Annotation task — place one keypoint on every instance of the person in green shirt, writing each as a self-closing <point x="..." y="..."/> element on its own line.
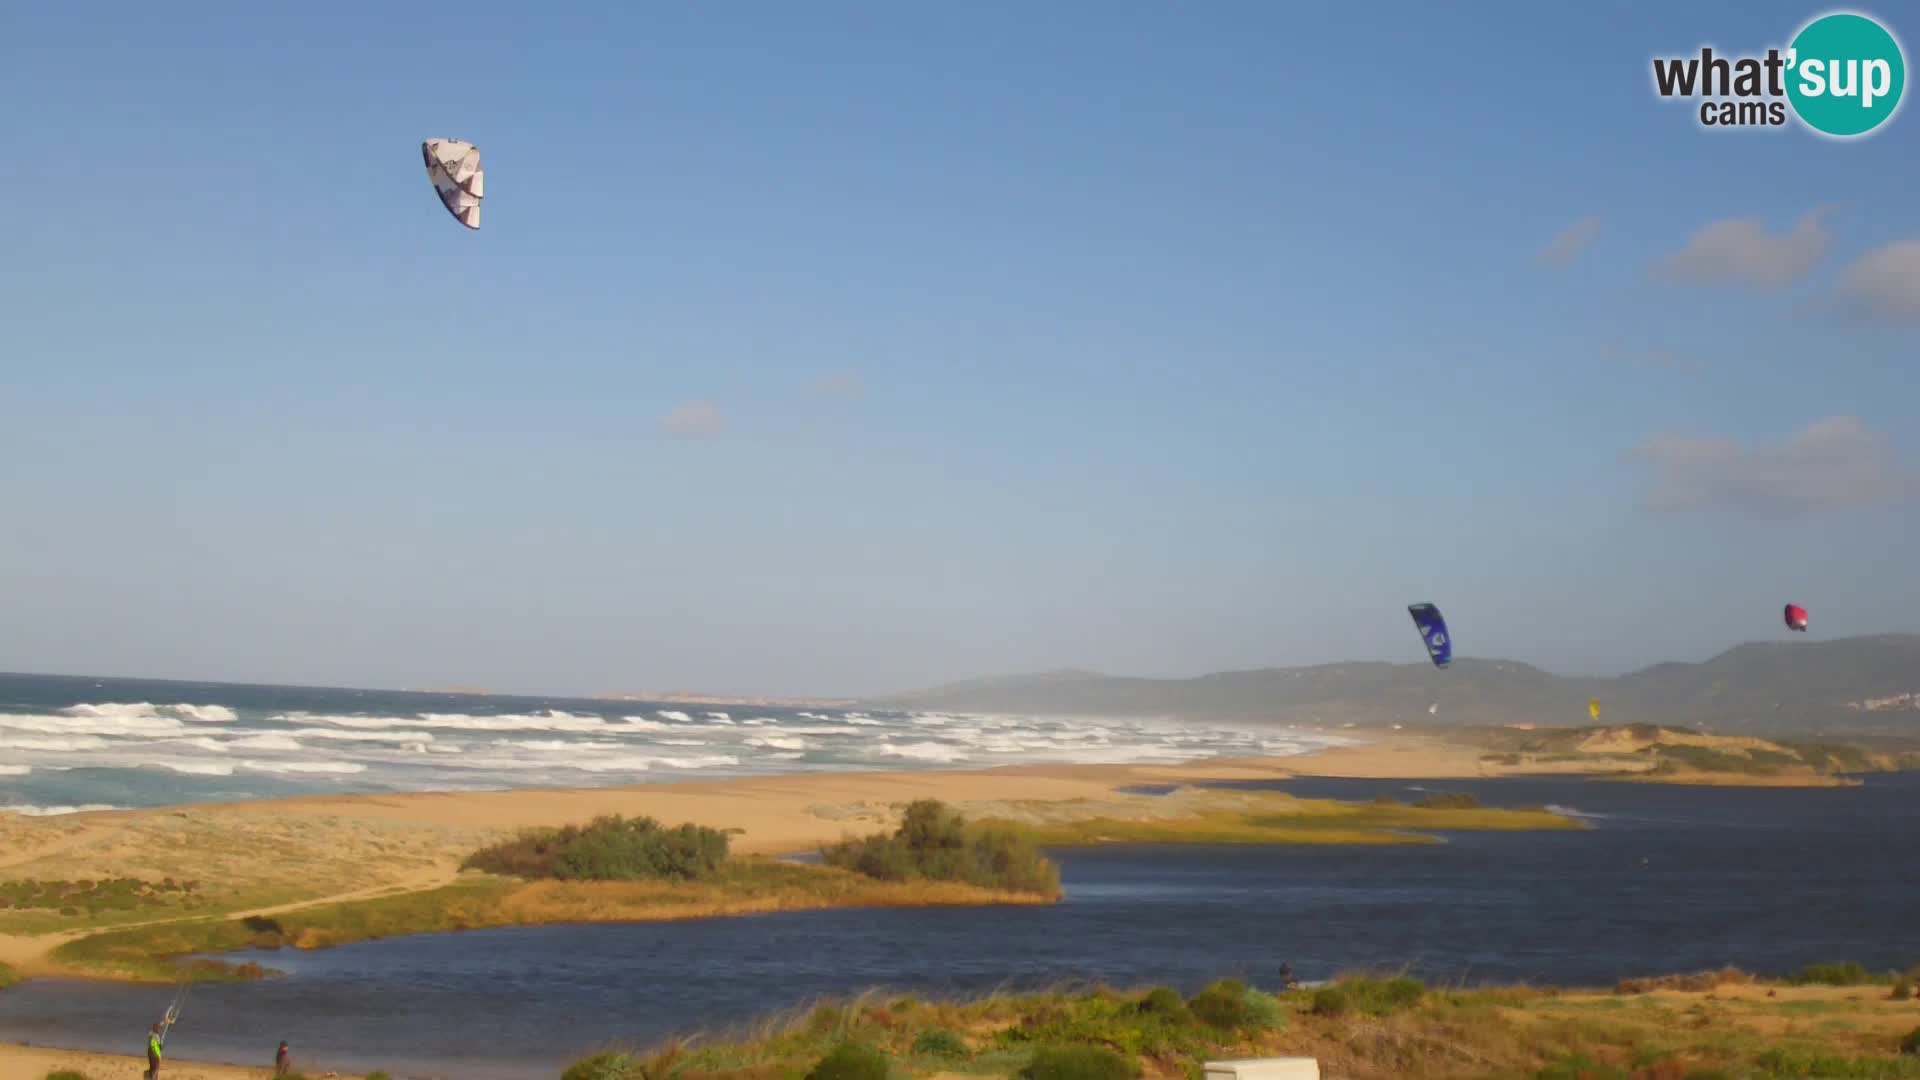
<point x="155" y="1041"/>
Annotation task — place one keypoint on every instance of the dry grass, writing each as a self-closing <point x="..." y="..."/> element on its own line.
<point x="1504" y="1033"/>
<point x="1256" y="817"/>
<point x="742" y="887"/>
<point x="268" y="862"/>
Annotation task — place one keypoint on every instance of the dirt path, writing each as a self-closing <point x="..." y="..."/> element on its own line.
<point x="27" y="954"/>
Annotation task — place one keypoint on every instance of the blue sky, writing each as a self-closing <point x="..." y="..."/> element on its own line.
<point x="849" y="347"/>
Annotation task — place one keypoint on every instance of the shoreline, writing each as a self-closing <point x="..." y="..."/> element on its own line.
<point x="1721" y="1022"/>
<point x="22" y="1061"/>
<point x="318" y="863"/>
<point x="344" y="854"/>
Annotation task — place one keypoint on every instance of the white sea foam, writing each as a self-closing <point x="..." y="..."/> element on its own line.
<point x="551" y="720"/>
<point x="922" y="751"/>
<point x="139" y="727"/>
<point x="191" y="768"/>
<point x="51" y="811"/>
<point x="552" y="747"/>
<point x="777" y="742"/>
<point x="269" y="741"/>
<point x="206" y="714"/>
<point x="52" y="744"/>
<point x="15" y="770"/>
<point x="558" y="746"/>
<point x="363" y="736"/>
<point x="198" y="742"/>
<point x="319" y="767"/>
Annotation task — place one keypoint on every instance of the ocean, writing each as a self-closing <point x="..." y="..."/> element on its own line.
<point x="1667" y="879"/>
<point x="78" y="743"/>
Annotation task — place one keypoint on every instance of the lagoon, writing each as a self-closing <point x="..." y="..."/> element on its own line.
<point x="1668" y="879"/>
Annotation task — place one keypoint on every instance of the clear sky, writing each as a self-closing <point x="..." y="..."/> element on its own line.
<point x="848" y="347"/>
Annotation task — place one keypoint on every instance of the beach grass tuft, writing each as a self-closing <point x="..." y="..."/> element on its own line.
<point x="608" y="848"/>
<point x="935" y="843"/>
<point x="1386" y="1027"/>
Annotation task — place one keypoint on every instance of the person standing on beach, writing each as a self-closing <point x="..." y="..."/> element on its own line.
<point x="282" y="1061"/>
<point x="155" y="1041"/>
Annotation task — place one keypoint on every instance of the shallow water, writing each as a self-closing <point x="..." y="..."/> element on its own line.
<point x="1668" y="879"/>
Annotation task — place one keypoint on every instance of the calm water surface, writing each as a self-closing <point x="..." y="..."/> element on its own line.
<point x="1667" y="879"/>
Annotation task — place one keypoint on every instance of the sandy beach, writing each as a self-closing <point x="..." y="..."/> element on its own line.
<point x="267" y="857"/>
<point x="273" y="857"/>
<point x="34" y="1063"/>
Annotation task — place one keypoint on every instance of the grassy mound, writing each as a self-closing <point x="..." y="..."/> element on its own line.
<point x="934" y="843"/>
<point x="1358" y="1028"/>
<point x="607" y="849"/>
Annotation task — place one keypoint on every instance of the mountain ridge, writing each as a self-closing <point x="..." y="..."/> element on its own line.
<point x="1865" y="684"/>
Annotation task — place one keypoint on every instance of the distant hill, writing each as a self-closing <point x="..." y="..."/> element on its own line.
<point x="1861" y="685"/>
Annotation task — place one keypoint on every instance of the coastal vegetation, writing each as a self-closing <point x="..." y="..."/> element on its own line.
<point x="616" y="869"/>
<point x="1260" y="817"/>
<point x="935" y="843"/>
<point x="1726" y="1025"/>
<point x="1652" y="753"/>
<point x="612" y="869"/>
<point x="611" y="848"/>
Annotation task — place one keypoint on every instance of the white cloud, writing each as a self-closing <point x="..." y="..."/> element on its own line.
<point x="845" y="383"/>
<point x="1885" y="282"/>
<point x="1572" y="240"/>
<point x="694" y="418"/>
<point x="1742" y="250"/>
<point x="1832" y="464"/>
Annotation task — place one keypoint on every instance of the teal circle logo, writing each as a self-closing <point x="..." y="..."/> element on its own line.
<point x="1845" y="74"/>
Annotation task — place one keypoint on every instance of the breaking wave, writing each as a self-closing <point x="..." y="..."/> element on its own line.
<point x="321" y="767"/>
<point x="52" y="811"/>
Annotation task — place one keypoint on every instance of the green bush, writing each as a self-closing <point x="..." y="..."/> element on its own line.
<point x="1902" y="990"/>
<point x="1579" y="1067"/>
<point x="1848" y="974"/>
<point x="1078" y="1063"/>
<point x="1802" y="1063"/>
<point x="1331" y="1001"/>
<point x="607" y="849"/>
<point x="940" y="1043"/>
<point x="1264" y="1011"/>
<point x="851" y="1061"/>
<point x="935" y="843"/>
<point x="608" y="1066"/>
<point x="1166" y="1003"/>
<point x="1223" y="1005"/>
<point x="1911" y="1044"/>
<point x="66" y="1074"/>
<point x="379" y="1074"/>
<point x="1376" y="997"/>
